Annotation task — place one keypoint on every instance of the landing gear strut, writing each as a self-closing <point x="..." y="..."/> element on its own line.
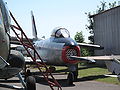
<point x="73" y="74"/>
<point x="70" y="78"/>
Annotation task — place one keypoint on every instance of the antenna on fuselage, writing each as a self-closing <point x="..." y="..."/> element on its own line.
<point x="34" y="30"/>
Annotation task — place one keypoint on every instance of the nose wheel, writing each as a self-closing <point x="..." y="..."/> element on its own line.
<point x="29" y="84"/>
<point x="30" y="81"/>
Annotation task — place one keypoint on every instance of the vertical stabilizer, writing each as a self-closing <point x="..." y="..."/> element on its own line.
<point x="34" y="30"/>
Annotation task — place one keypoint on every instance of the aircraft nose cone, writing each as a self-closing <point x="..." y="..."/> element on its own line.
<point x="70" y="42"/>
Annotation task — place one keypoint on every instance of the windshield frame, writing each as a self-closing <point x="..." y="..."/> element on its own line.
<point x="62" y="33"/>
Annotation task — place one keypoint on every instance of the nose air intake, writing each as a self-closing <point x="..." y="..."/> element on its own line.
<point x="70" y="51"/>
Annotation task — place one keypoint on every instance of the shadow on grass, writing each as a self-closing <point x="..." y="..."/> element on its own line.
<point x="89" y="78"/>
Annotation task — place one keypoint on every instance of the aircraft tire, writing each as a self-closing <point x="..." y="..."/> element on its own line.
<point x="70" y="78"/>
<point x="30" y="83"/>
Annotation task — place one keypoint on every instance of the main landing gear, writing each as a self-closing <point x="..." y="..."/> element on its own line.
<point x="72" y="76"/>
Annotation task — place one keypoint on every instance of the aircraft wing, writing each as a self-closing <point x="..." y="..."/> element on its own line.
<point x="90" y="46"/>
<point x="115" y="58"/>
<point x="112" y="62"/>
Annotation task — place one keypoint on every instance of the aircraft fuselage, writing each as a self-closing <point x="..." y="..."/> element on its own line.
<point x="56" y="51"/>
<point x="4" y="30"/>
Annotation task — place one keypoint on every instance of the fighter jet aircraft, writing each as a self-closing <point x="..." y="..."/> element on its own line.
<point x="57" y="50"/>
<point x="61" y="50"/>
<point x="11" y="61"/>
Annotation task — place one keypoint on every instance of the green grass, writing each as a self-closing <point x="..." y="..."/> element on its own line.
<point x="87" y="73"/>
<point x="97" y="74"/>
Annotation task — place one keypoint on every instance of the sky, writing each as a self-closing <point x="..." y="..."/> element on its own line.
<point x="50" y="14"/>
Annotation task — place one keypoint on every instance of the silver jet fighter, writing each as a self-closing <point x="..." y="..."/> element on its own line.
<point x="58" y="50"/>
<point x="61" y="50"/>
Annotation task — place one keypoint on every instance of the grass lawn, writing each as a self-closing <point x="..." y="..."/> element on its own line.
<point x="97" y="73"/>
<point x="87" y="73"/>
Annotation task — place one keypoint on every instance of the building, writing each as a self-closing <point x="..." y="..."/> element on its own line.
<point x="107" y="31"/>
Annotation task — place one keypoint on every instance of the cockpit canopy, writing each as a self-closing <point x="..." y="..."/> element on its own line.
<point x="60" y="33"/>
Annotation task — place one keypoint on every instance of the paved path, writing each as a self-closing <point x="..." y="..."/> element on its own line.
<point x="79" y="85"/>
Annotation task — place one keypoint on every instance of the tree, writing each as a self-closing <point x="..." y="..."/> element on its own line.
<point x="90" y="27"/>
<point x="80" y="39"/>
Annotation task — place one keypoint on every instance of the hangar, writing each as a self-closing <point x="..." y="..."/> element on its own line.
<point x="107" y="31"/>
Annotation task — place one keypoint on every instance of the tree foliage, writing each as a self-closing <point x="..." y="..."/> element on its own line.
<point x="80" y="39"/>
<point x="104" y="6"/>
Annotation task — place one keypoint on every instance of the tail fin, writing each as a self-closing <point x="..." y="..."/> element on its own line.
<point x="34" y="30"/>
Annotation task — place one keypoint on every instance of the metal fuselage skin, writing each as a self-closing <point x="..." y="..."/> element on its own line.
<point x="4" y="31"/>
<point x="55" y="51"/>
<point x="14" y="58"/>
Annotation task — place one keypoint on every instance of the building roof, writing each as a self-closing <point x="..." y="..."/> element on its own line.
<point x="104" y="11"/>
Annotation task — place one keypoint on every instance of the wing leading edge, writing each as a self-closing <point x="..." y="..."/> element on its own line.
<point x="90" y="46"/>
